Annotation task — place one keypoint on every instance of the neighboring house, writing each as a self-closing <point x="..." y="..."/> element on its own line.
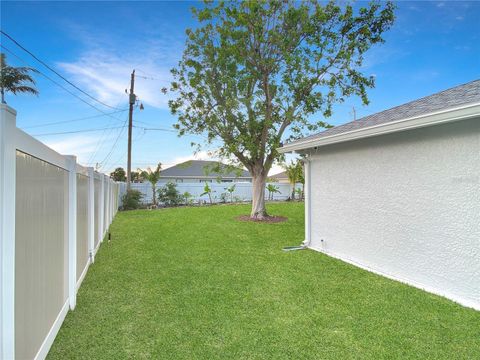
<point x="201" y="171"/>
<point x="398" y="192"/>
<point x="280" y="177"/>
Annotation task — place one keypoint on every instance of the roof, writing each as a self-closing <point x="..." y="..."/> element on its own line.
<point x="280" y="175"/>
<point x="458" y="97"/>
<point x="202" y="169"/>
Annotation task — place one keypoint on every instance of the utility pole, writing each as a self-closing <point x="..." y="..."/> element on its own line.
<point x="132" y="99"/>
<point x="354" y="113"/>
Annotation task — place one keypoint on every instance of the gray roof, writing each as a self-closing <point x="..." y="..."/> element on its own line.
<point x="280" y="175"/>
<point x="200" y="168"/>
<point x="465" y="94"/>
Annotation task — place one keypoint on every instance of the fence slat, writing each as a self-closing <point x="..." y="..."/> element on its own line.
<point x="23" y="327"/>
<point x="7" y="231"/>
<point x="72" y="230"/>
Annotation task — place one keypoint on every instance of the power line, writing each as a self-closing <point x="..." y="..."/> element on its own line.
<point x="99" y="144"/>
<point x="150" y="77"/>
<point x="78" y="131"/>
<point x="61" y="86"/>
<point x="55" y="72"/>
<point x="123" y="154"/>
<point x="107" y="157"/>
<point x="154" y="129"/>
<point x="103" y="113"/>
<point x="73" y="120"/>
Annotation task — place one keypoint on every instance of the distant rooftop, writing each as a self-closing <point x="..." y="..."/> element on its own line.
<point x="280" y="175"/>
<point x="457" y="96"/>
<point x="201" y="168"/>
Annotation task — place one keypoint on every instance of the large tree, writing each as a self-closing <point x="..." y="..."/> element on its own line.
<point x="119" y="174"/>
<point x="253" y="72"/>
<point x="15" y="79"/>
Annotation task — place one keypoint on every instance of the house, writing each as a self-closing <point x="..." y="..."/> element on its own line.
<point x="280" y="178"/>
<point x="203" y="171"/>
<point x="398" y="192"/>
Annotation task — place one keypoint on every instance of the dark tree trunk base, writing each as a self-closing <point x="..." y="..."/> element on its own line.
<point x="264" y="219"/>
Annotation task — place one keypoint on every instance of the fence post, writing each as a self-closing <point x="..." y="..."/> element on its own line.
<point x="109" y="210"/>
<point x="72" y="230"/>
<point x="101" y="209"/>
<point x="112" y="190"/>
<point x="91" y="213"/>
<point x="7" y="230"/>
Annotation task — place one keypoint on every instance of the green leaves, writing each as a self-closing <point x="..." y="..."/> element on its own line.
<point x="16" y="79"/>
<point x="253" y="72"/>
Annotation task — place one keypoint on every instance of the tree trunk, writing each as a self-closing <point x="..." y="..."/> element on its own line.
<point x="154" y="190"/>
<point x="258" y="197"/>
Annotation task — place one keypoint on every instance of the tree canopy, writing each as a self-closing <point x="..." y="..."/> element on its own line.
<point x="119" y="174"/>
<point x="253" y="72"/>
<point x="16" y="79"/>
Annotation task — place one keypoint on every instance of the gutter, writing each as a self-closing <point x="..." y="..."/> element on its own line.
<point x="440" y="117"/>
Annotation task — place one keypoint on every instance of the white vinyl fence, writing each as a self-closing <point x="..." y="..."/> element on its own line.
<point x="242" y="192"/>
<point x="54" y="213"/>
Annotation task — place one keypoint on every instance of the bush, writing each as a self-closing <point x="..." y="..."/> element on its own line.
<point x="131" y="200"/>
<point x="187" y="198"/>
<point x="224" y="197"/>
<point x="169" y="195"/>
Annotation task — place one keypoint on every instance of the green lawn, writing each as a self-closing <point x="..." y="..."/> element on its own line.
<point x="194" y="283"/>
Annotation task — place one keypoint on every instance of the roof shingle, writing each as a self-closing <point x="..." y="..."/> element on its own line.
<point x="465" y="94"/>
<point x="200" y="168"/>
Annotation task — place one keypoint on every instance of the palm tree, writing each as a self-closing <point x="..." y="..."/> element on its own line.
<point x="295" y="174"/>
<point x="207" y="190"/>
<point x="152" y="177"/>
<point x="272" y="189"/>
<point x="16" y="79"/>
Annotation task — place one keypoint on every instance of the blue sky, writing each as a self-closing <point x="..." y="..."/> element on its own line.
<point x="431" y="47"/>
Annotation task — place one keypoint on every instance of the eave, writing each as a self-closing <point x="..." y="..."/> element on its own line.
<point x="436" y="118"/>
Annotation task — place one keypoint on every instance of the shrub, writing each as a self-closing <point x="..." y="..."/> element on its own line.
<point x="231" y="190"/>
<point x="223" y="197"/>
<point x="131" y="200"/>
<point x="187" y="198"/>
<point x="169" y="195"/>
<point x="299" y="193"/>
<point x="207" y="190"/>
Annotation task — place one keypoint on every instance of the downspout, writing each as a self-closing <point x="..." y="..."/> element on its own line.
<point x="308" y="201"/>
<point x="308" y="209"/>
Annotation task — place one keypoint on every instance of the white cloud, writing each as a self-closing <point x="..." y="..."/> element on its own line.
<point x="106" y="75"/>
<point x="104" y="66"/>
<point x="78" y="145"/>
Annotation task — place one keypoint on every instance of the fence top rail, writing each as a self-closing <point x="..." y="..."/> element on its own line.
<point x="83" y="170"/>
<point x="31" y="146"/>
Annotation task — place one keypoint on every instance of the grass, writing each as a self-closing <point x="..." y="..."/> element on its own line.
<point x="194" y="283"/>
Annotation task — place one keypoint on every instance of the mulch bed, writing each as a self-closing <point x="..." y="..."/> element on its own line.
<point x="268" y="219"/>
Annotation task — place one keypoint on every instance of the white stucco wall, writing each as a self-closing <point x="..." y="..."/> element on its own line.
<point x="405" y="205"/>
